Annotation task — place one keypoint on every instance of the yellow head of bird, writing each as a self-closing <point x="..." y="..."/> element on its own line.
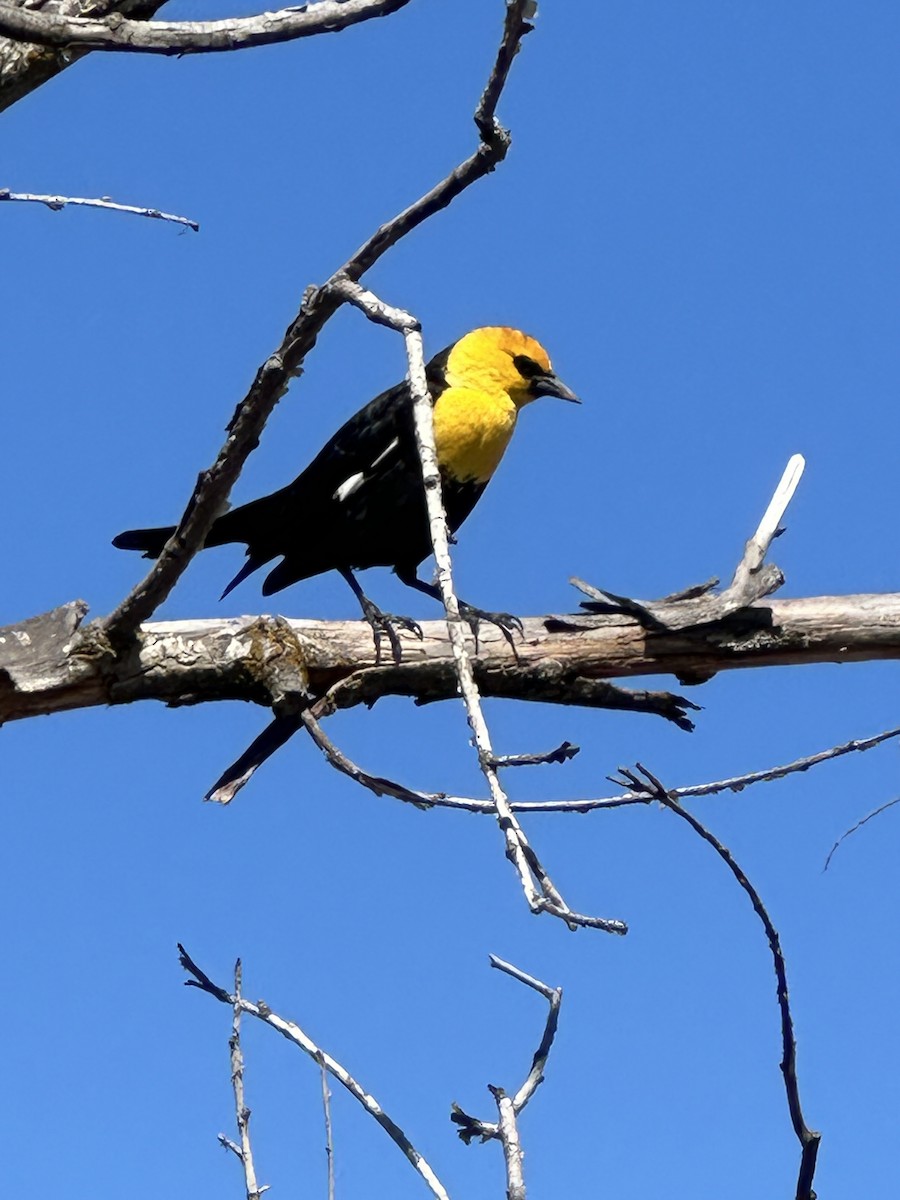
<point x="501" y="360"/>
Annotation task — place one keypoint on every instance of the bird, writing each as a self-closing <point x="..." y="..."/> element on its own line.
<point x="361" y="503"/>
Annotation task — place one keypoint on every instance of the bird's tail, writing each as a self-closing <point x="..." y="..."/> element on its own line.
<point x="149" y="541"/>
<point x="252" y="564"/>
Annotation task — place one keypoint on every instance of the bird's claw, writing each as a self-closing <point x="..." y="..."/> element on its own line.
<point x="507" y="623"/>
<point x="388" y="624"/>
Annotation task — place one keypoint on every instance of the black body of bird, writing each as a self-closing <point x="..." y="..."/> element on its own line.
<point x="360" y="502"/>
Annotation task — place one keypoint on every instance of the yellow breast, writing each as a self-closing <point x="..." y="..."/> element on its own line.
<point x="472" y="429"/>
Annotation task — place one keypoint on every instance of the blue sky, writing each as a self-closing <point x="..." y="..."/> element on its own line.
<point x="698" y="218"/>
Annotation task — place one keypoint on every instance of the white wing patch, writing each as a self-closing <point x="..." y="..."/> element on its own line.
<point x="355" y="482"/>
<point x="387" y="450"/>
<point x="349" y="486"/>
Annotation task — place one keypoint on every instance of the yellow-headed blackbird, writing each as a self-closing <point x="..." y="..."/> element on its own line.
<point x="360" y="502"/>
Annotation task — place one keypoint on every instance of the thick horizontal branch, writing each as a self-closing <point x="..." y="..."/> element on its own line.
<point x="116" y="32"/>
<point x="45" y="667"/>
<point x="24" y="66"/>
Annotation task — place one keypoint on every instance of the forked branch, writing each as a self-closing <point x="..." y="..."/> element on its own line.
<point x="505" y="1128"/>
<point x="296" y="1036"/>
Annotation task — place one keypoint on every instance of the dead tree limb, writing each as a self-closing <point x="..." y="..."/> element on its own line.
<point x="25" y="66"/>
<point x="115" y="32"/>
<point x="45" y="667"/>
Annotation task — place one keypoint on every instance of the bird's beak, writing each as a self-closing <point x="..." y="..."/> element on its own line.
<point x="549" y="385"/>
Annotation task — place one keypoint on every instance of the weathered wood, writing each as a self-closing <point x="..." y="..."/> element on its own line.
<point x="560" y="660"/>
<point x="25" y="66"/>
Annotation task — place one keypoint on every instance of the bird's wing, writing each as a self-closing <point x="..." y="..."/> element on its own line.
<point x="371" y="445"/>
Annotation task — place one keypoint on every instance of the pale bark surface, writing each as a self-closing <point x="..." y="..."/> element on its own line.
<point x="24" y="66"/>
<point x="48" y="665"/>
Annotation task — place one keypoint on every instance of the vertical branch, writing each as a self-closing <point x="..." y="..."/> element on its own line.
<point x="544" y="897"/>
<point x="540" y="892"/>
<point x="516" y="843"/>
<point x="244" y="1151"/>
<point x="329" y="1139"/>
<point x="512" y="1147"/>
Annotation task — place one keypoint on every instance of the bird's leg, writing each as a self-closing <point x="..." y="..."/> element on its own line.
<point x="507" y="623"/>
<point x="381" y="622"/>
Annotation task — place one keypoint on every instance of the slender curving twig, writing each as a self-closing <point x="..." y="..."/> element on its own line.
<point x="809" y="1139"/>
<point x="58" y="203"/>
<point x="859" y="824"/>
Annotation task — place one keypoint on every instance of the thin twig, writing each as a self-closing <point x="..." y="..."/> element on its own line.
<point x="273" y="377"/>
<point x="57" y="203"/>
<point x="329" y="1138"/>
<point x="517" y="25"/>
<point x="735" y="783"/>
<point x="809" y="1139"/>
<point x="244" y="1151"/>
<point x="375" y="783"/>
<point x="559" y="754"/>
<point x="859" y="824"/>
<point x="117" y="33"/>
<point x="295" y="1035"/>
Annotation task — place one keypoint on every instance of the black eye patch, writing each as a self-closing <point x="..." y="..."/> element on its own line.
<point x="527" y="367"/>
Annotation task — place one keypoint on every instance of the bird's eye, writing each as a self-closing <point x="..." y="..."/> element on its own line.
<point x="527" y="367"/>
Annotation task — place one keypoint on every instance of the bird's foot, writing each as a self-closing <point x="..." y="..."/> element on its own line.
<point x="387" y="624"/>
<point x="507" y="623"/>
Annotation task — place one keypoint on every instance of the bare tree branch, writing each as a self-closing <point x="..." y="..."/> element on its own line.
<point x="859" y="824"/>
<point x="295" y="1035"/>
<point x="25" y="66"/>
<point x="736" y="783"/>
<point x="553" y="996"/>
<point x="506" y="1128"/>
<point x="243" y="1151"/>
<point x="46" y="668"/>
<point x="57" y="203"/>
<point x="809" y="1139"/>
<point x="117" y="33"/>
<point x="512" y="1146"/>
<point x="559" y="754"/>
<point x="752" y="580"/>
<point x="272" y="378"/>
<point x="329" y="1138"/>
